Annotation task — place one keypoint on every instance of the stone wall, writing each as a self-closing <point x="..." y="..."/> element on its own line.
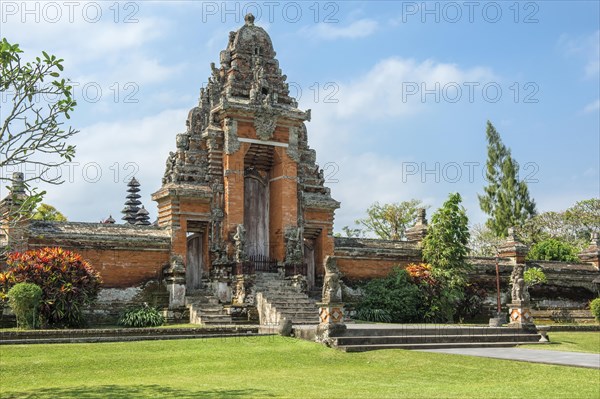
<point x="566" y="281"/>
<point x="362" y="259"/>
<point x="124" y="255"/>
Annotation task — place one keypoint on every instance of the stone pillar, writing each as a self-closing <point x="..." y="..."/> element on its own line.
<point x="331" y="309"/>
<point x="175" y="280"/>
<point x="592" y="253"/>
<point x="519" y="308"/>
<point x="419" y="230"/>
<point x="512" y="248"/>
<point x="13" y="223"/>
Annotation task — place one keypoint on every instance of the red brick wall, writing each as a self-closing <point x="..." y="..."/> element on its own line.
<point x="363" y="269"/>
<point x="120" y="268"/>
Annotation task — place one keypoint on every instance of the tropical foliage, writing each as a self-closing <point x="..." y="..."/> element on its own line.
<point x="68" y="282"/>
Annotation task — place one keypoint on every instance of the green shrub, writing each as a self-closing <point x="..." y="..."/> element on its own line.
<point x="595" y="308"/>
<point x="67" y="281"/>
<point x="553" y="249"/>
<point x="440" y="299"/>
<point x="472" y="303"/>
<point x="144" y="316"/>
<point x="534" y="276"/>
<point x="395" y="294"/>
<point x="374" y="315"/>
<point x="24" y="299"/>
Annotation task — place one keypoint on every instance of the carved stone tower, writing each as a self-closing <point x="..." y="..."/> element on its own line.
<point x="244" y="160"/>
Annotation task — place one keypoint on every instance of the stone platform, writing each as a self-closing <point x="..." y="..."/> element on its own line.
<point x="122" y="334"/>
<point x="365" y="337"/>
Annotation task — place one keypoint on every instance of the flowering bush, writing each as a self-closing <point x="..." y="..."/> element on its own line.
<point x="68" y="282"/>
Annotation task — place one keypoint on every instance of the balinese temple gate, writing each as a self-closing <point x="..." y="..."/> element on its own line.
<point x="242" y="191"/>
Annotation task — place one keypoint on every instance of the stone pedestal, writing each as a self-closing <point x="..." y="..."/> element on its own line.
<point x="520" y="316"/>
<point x="175" y="280"/>
<point x="498" y="320"/>
<point x="331" y="325"/>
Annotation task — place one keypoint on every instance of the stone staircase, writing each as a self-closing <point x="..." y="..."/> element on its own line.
<point x="205" y="309"/>
<point x="276" y="299"/>
<point x="373" y="337"/>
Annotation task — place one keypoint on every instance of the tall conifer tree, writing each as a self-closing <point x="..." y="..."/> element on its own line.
<point x="506" y="198"/>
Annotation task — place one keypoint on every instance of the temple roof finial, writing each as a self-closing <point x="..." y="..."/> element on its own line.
<point x="249" y="19"/>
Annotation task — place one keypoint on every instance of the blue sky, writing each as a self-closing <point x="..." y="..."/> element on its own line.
<point x="400" y="92"/>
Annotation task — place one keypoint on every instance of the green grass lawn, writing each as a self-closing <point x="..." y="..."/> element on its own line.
<point x="272" y="367"/>
<point x="571" y="342"/>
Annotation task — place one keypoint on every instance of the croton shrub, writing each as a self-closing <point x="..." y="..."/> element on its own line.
<point x="68" y="283"/>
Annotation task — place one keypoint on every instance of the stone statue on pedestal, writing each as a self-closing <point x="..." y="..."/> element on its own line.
<point x="331" y="308"/>
<point x="240" y="239"/>
<point x="332" y="290"/>
<point x="517" y="281"/>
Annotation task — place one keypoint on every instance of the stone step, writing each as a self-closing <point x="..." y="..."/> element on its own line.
<point x="431" y="339"/>
<point x="364" y="348"/>
<point x="283" y="296"/>
<point x="431" y="330"/>
<point x="127" y="338"/>
<point x="305" y="321"/>
<point x="209" y="311"/>
<point x="198" y="301"/>
<point x="299" y="302"/>
<point x="293" y="315"/>
<point x="212" y="319"/>
<point x="295" y="308"/>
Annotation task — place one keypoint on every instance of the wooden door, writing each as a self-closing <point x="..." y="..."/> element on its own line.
<point x="256" y="216"/>
<point x="193" y="271"/>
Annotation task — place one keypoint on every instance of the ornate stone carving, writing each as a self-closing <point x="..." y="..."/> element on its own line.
<point x="292" y="149"/>
<point x="232" y="143"/>
<point x="331" y="308"/>
<point x="239" y="239"/>
<point x="239" y="291"/>
<point x="183" y="141"/>
<point x="518" y="286"/>
<point x="265" y="120"/>
<point x="293" y="245"/>
<point x="332" y="289"/>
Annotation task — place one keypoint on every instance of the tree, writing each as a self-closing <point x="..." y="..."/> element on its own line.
<point x="37" y="100"/>
<point x="573" y="226"/>
<point x="445" y="249"/>
<point x="506" y="198"/>
<point x="483" y="241"/>
<point x="390" y="221"/>
<point x="48" y="213"/>
<point x="445" y="245"/>
<point x="553" y="249"/>
<point x="586" y="216"/>
<point x="350" y="232"/>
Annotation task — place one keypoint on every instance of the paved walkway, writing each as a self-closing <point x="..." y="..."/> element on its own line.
<point x="577" y="359"/>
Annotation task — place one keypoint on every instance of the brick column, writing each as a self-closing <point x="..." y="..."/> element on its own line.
<point x="233" y="171"/>
<point x="512" y="248"/>
<point x="283" y="201"/>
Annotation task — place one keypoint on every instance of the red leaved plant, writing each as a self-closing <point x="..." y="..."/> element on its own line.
<point x="68" y="282"/>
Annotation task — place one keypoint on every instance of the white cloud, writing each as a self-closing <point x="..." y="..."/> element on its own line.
<point x="586" y="47"/>
<point x="336" y="128"/>
<point x="397" y="87"/>
<point x="108" y="154"/>
<point x="357" y="29"/>
<point x="592" y="107"/>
